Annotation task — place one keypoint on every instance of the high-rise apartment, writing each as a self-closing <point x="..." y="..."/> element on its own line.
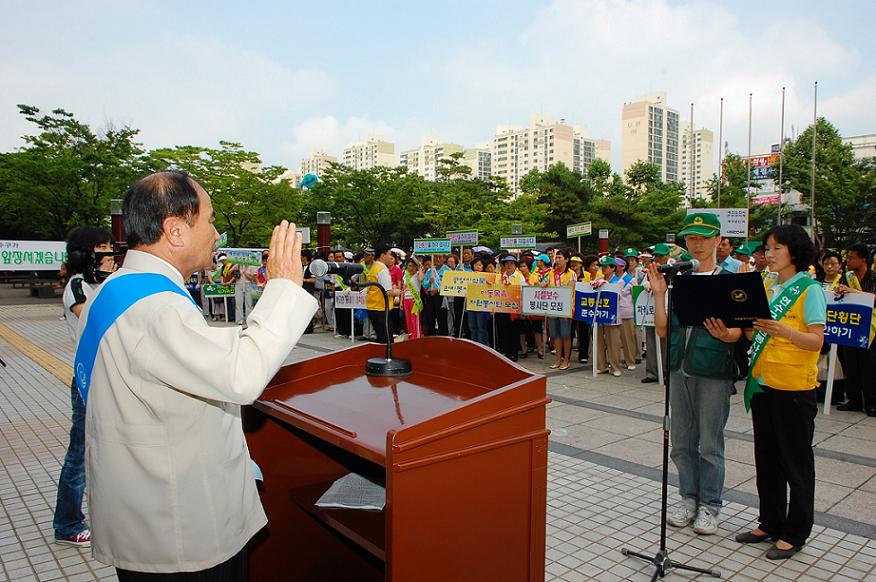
<point x="587" y="149"/>
<point x="517" y="150"/>
<point x="371" y="153"/>
<point x="650" y="132"/>
<point x="480" y="162"/>
<point x="696" y="161"/>
<point x="317" y="163"/>
<point x="424" y="160"/>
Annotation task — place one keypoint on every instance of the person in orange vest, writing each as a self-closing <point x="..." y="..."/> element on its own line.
<point x="378" y="272"/>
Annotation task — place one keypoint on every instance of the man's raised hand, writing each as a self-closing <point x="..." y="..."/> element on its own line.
<point x="284" y="256"/>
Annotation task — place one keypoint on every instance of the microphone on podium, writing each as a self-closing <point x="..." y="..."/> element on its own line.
<point x="676" y="267"/>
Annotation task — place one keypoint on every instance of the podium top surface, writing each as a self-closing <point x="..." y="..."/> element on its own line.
<point x="334" y="393"/>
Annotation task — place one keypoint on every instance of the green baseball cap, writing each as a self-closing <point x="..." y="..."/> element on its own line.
<point x="607" y="260"/>
<point x="702" y="224"/>
<point x="631" y="252"/>
<point x="744" y="249"/>
<point x="661" y="249"/>
<point x="685" y="256"/>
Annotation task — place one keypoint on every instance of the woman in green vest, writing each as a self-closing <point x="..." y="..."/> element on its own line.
<point x="781" y="393"/>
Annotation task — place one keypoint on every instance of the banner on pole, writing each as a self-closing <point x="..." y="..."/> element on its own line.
<point x="547" y="301"/>
<point x="493" y="298"/>
<point x="32" y="255"/>
<point x="456" y="283"/>
<point x="580" y="229"/>
<point x="643" y="305"/>
<point x="349" y="299"/>
<point x="305" y="234"/>
<point x="432" y="246"/>
<point x="849" y="319"/>
<point x="734" y="221"/>
<point x="516" y="242"/>
<point x="462" y="237"/>
<point x="214" y="290"/>
<point x="586" y="307"/>
<point x="245" y="257"/>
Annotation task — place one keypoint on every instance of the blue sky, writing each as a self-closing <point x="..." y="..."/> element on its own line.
<point x="284" y="78"/>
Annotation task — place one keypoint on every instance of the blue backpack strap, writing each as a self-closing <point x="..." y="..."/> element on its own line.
<point x="115" y="297"/>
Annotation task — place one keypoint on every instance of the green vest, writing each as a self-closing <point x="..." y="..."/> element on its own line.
<point x="697" y="353"/>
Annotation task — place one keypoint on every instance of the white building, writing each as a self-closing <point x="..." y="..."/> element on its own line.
<point x="586" y="150"/>
<point x="517" y="150"/>
<point x="863" y="146"/>
<point x="369" y="154"/>
<point x="695" y="174"/>
<point x="424" y="160"/>
<point x="650" y="132"/>
<point x="317" y="163"/>
<point x="480" y="162"/>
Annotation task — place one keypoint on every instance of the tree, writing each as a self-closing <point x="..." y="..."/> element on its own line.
<point x="65" y="175"/>
<point x="642" y="175"/>
<point x="565" y="194"/>
<point x="450" y="168"/>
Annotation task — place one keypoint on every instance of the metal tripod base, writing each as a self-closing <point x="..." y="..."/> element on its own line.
<point x="663" y="564"/>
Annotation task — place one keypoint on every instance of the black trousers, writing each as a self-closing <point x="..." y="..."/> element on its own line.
<point x="342" y="321"/>
<point x="507" y="335"/>
<point x="784" y="423"/>
<point x="459" y="318"/>
<point x="860" y="370"/>
<point x="583" y="331"/>
<point x="235" y="569"/>
<point x="378" y="322"/>
<point x="428" y="317"/>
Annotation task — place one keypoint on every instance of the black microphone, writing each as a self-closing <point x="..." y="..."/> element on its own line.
<point x="319" y="268"/>
<point x="676" y="267"/>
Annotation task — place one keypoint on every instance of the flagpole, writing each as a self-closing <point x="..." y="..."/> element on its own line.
<point x="812" y="184"/>
<point x="748" y="180"/>
<point x="720" y="150"/>
<point x="781" y="156"/>
<point x="690" y="159"/>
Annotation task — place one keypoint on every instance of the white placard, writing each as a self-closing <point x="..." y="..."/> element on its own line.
<point x="547" y="301"/>
<point x="32" y="255"/>
<point x="734" y="221"/>
<point x="348" y="299"/>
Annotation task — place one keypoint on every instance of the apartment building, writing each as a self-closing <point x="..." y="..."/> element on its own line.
<point x="587" y="149"/>
<point x="650" y="132"/>
<point x="369" y="154"/>
<point x="317" y="163"/>
<point x="517" y="150"/>
<point x="424" y="160"/>
<point x="696" y="160"/>
<point x="480" y="162"/>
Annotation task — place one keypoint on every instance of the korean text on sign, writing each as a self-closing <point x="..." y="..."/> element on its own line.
<point x="455" y="283"/>
<point x="431" y="246"/>
<point x="601" y="304"/>
<point x="849" y="319"/>
<point x="547" y="301"/>
<point x="493" y="298"/>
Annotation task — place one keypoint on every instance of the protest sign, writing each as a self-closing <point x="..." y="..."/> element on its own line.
<point x="305" y="234"/>
<point x="245" y="257"/>
<point x="455" y="283"/>
<point x="586" y="306"/>
<point x="578" y="230"/>
<point x="349" y="299"/>
<point x="462" y="237"/>
<point x="849" y="319"/>
<point x="517" y="242"/>
<point x="643" y="307"/>
<point x="218" y="290"/>
<point x="734" y="221"/>
<point x="547" y="301"/>
<point x="493" y="298"/>
<point x="32" y="255"/>
<point x="431" y="246"/>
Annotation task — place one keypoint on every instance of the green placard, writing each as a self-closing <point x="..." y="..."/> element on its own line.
<point x="218" y="290"/>
<point x="580" y="229"/>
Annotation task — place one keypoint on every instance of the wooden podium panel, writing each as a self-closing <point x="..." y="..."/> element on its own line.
<point x="460" y="445"/>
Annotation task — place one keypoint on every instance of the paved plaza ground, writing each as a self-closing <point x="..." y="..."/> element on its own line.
<point x="603" y="476"/>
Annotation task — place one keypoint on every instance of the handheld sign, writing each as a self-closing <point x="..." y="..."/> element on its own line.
<point x="432" y="246"/>
<point x="516" y="242"/>
<point x="213" y="290"/>
<point x="734" y="221"/>
<point x="643" y="307"/>
<point x="349" y="299"/>
<point x="606" y="311"/>
<point x="456" y="283"/>
<point x="32" y="255"/>
<point x="547" y="301"/>
<point x="579" y="230"/>
<point x="493" y="298"/>
<point x="462" y="237"/>
<point x="247" y="257"/>
<point x="849" y="319"/>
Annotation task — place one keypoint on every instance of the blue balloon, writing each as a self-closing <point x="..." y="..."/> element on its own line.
<point x="308" y="181"/>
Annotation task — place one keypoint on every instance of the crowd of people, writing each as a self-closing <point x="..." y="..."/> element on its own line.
<point x="778" y="357"/>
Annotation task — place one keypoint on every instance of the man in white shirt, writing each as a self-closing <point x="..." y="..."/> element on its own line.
<point x="171" y="487"/>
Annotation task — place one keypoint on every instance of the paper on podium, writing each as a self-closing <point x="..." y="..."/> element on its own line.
<point x="353" y="491"/>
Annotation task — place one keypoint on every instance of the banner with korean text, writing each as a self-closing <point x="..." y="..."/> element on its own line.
<point x="349" y="299"/>
<point x="493" y="298"/>
<point x="849" y="319"/>
<point x="601" y="303"/>
<point x="547" y="301"/>
<point x="455" y="283"/>
<point x="643" y="307"/>
<point x="431" y="246"/>
<point x="212" y="290"/>
<point x="32" y="255"/>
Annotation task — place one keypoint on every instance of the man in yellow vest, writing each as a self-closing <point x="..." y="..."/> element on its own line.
<point x="379" y="273"/>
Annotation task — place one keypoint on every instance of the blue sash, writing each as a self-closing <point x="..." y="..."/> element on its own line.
<point x="115" y="297"/>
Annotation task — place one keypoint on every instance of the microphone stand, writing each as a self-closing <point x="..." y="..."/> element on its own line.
<point x="384" y="366"/>
<point x="661" y="560"/>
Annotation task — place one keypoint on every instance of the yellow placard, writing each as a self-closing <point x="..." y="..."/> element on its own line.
<point x="493" y="298"/>
<point x="455" y="283"/>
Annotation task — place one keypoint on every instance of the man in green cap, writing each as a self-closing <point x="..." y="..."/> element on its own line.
<point x="702" y="370"/>
<point x="661" y="257"/>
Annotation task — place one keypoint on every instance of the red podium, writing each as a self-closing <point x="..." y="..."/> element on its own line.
<point x="460" y="444"/>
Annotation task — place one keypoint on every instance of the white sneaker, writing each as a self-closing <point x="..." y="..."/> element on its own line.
<point x="705" y="523"/>
<point x="616" y="373"/>
<point x="631" y="368"/>
<point x="681" y="515"/>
